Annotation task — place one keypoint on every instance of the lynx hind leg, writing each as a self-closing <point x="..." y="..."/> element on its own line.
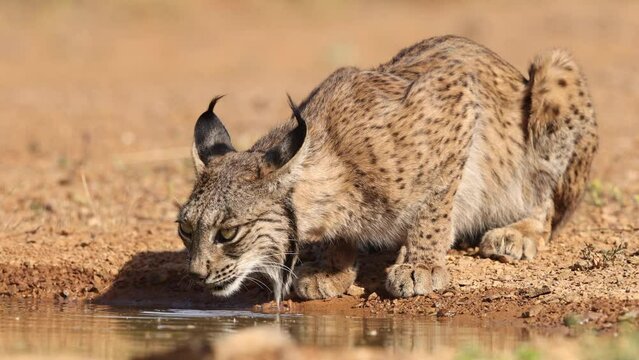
<point x="562" y="128"/>
<point x="562" y="135"/>
<point x="330" y="272"/>
<point x="520" y="240"/>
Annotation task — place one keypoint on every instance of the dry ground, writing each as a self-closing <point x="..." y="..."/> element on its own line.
<point x="97" y="104"/>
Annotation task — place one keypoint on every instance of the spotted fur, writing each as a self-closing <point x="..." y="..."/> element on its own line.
<point x="445" y="142"/>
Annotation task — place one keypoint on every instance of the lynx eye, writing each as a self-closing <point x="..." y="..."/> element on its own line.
<point x="226" y="235"/>
<point x="185" y="230"/>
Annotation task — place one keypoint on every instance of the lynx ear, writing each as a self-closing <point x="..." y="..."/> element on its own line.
<point x="289" y="147"/>
<point x="210" y="138"/>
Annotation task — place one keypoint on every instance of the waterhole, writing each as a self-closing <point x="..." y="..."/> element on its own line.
<point x="106" y="332"/>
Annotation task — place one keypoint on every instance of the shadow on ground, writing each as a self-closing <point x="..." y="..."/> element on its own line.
<point x="153" y="278"/>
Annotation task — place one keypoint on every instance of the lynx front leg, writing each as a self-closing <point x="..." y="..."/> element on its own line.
<point x="330" y="274"/>
<point x="520" y="240"/>
<point x="421" y="265"/>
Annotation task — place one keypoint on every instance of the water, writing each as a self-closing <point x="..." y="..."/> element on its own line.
<point x="104" y="332"/>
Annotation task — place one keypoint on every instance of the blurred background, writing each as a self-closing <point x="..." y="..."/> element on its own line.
<point x="106" y="78"/>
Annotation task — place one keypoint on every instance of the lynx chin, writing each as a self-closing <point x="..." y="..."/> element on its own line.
<point x="445" y="143"/>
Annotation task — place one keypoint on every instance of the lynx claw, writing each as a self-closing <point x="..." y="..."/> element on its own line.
<point x="406" y="280"/>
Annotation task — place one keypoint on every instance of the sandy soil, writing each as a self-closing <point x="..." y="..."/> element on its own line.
<point x="97" y="104"/>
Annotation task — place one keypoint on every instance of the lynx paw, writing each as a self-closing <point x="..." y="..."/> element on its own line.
<point x="507" y="244"/>
<point x="406" y="280"/>
<point x="315" y="282"/>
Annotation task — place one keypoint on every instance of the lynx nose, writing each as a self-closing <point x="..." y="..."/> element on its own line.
<point x="199" y="268"/>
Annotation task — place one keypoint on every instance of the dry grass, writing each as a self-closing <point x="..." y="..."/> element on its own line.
<point x="591" y="258"/>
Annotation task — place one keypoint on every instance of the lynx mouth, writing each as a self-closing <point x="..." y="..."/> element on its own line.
<point x="221" y="285"/>
<point x="225" y="287"/>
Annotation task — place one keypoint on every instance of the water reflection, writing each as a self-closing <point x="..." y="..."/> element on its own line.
<point x="116" y="333"/>
<point x="423" y="334"/>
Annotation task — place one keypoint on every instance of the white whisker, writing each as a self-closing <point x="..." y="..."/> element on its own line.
<point x="259" y="283"/>
<point x="280" y="266"/>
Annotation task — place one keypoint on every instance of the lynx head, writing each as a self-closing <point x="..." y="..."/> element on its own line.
<point x="238" y="219"/>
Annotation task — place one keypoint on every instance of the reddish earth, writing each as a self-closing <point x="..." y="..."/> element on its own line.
<point x="98" y="102"/>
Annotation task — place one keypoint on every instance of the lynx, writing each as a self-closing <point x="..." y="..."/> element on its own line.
<point x="443" y="143"/>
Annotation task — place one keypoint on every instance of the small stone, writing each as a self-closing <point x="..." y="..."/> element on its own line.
<point x="594" y="316"/>
<point x="491" y="296"/>
<point x="65" y="293"/>
<point x="572" y="320"/>
<point x="444" y="313"/>
<point x="373" y="296"/>
<point x="448" y="294"/>
<point x="533" y="293"/>
<point x="506" y="278"/>
<point x="568" y="299"/>
<point x="355" y="291"/>
<point x="629" y="316"/>
<point x="94" y="222"/>
<point x="565" y="274"/>
<point x="533" y="311"/>
<point x="504" y="259"/>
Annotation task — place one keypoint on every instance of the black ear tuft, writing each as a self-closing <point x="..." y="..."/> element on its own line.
<point x="301" y="123"/>
<point x="211" y="137"/>
<point x="213" y="102"/>
<point x="291" y="143"/>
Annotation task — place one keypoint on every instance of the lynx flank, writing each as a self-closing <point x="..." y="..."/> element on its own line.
<point x="446" y="142"/>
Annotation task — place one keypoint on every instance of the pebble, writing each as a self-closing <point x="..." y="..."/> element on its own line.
<point x="572" y="320"/>
<point x="629" y="315"/>
<point x="533" y="311"/>
<point x="594" y="316"/>
<point x="355" y="291"/>
<point x="533" y="293"/>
